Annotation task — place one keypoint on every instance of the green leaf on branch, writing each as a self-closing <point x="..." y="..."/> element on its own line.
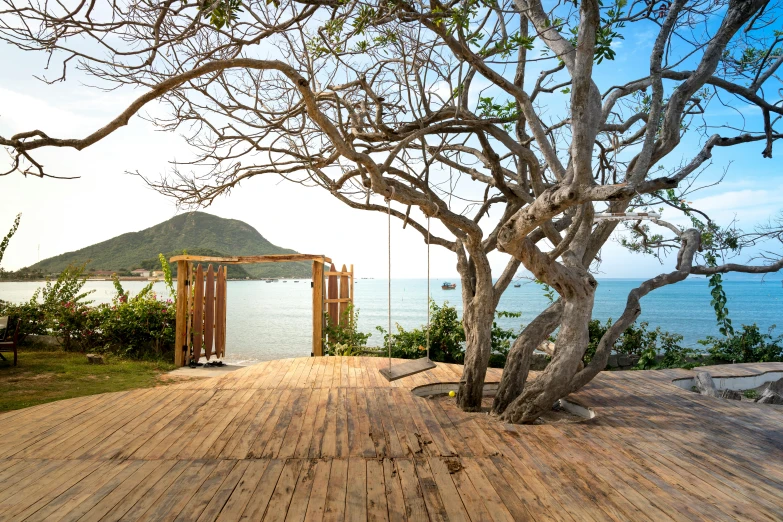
<point x="224" y="12"/>
<point x="8" y="236"/>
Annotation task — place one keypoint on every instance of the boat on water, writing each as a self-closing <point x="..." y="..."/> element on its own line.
<point x="517" y="285"/>
<point x="448" y="286"/>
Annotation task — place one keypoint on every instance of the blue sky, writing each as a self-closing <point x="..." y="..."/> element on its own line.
<point x="60" y="216"/>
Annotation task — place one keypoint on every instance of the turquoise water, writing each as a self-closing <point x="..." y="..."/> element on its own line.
<point x="273" y="320"/>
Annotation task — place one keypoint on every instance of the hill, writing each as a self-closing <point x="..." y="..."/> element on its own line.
<point x="194" y="232"/>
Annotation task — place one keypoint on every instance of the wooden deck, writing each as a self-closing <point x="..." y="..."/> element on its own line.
<point x="329" y="438"/>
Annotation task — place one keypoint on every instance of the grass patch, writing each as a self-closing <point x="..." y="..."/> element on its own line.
<point x="45" y="376"/>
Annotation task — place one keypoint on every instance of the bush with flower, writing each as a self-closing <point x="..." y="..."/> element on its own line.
<point x="138" y="327"/>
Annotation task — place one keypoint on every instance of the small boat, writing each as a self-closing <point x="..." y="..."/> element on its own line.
<point x="268" y="280"/>
<point x="517" y="285"/>
<point x="448" y="286"/>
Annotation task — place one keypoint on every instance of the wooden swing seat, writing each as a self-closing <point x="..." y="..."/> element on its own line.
<point x="405" y="369"/>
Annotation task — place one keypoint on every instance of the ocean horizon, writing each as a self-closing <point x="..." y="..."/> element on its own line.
<point x="273" y="320"/>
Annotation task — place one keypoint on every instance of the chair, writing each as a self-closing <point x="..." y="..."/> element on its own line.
<point x="8" y="340"/>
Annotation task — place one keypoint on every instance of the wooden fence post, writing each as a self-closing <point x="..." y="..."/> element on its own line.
<point x="198" y="313"/>
<point x="181" y="337"/>
<point x="352" y="286"/>
<point x="190" y="307"/>
<point x="318" y="308"/>
<point x="209" y="313"/>
<point x="343" y="320"/>
<point x="220" y="312"/>
<point x="332" y="294"/>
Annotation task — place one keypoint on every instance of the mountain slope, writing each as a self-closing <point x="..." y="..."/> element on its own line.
<point x="193" y="231"/>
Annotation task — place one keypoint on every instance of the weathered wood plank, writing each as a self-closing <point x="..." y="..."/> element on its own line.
<point x="332" y="292"/>
<point x="198" y="313"/>
<point x="301" y="497"/>
<point x="218" y="491"/>
<point x="181" y="317"/>
<point x="336" y="491"/>
<point x="316" y="504"/>
<point x="356" y="491"/>
<point x="344" y="294"/>
<point x="209" y="313"/>
<point x="284" y="491"/>
<point x="259" y="500"/>
<point x="393" y="491"/>
<point x="377" y="509"/>
<point x="240" y="496"/>
<point x="318" y="308"/>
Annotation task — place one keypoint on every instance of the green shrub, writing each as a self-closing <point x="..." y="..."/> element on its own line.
<point x="137" y="327"/>
<point x="666" y="352"/>
<point x="447" y="337"/>
<point x="640" y="341"/>
<point x="748" y="346"/>
<point x="635" y="340"/>
<point x="502" y="338"/>
<point x="343" y="337"/>
<point x="31" y="317"/>
<point x="74" y="325"/>
<point x="58" y="308"/>
<point x="595" y="331"/>
<point x="674" y="354"/>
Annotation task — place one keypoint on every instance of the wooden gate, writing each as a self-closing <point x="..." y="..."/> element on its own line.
<point x="202" y="326"/>
<point x="336" y="294"/>
<point x="206" y="324"/>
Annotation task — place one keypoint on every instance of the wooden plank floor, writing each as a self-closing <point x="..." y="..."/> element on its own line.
<point x="331" y="439"/>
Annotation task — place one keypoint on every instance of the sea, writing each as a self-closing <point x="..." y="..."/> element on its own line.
<point x="274" y="320"/>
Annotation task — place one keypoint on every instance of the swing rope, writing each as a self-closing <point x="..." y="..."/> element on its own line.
<point x="424" y="363"/>
<point x="437" y="211"/>
<point x="388" y="242"/>
<point x="428" y="287"/>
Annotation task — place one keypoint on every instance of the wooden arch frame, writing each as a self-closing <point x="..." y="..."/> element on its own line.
<point x="318" y="290"/>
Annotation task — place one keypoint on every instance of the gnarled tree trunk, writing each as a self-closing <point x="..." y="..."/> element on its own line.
<point x="477" y="321"/>
<point x="517" y="366"/>
<point x="479" y="299"/>
<point x="555" y="381"/>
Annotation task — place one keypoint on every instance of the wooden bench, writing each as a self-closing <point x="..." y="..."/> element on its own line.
<point x="8" y="340"/>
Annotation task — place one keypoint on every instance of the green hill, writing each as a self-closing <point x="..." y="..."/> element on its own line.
<point x="196" y="232"/>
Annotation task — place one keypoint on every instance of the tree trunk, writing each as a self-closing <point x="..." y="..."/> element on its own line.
<point x="555" y="382"/>
<point x="478" y="302"/>
<point x="517" y="365"/>
<point x="477" y="322"/>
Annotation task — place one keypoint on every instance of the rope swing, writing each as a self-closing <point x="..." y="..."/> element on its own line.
<point x="417" y="365"/>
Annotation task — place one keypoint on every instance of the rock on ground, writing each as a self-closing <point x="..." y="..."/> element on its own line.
<point x="771" y="393"/>
<point x="705" y="385"/>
